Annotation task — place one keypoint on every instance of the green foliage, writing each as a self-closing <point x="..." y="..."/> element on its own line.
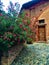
<point x="14" y="30"/>
<point x="13" y="9"/>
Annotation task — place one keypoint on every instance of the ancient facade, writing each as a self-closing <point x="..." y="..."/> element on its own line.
<point x="39" y="15"/>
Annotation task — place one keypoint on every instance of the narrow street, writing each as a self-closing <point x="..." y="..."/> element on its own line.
<point x="33" y="54"/>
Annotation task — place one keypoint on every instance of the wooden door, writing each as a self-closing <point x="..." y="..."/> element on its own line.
<point x="42" y="33"/>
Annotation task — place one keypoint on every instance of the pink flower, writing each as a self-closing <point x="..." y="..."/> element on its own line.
<point x="25" y="22"/>
<point x="5" y="38"/>
<point x="18" y="40"/>
<point x="31" y="36"/>
<point x="27" y="14"/>
<point x="25" y="29"/>
<point x="8" y="39"/>
<point x="20" y="25"/>
<point x="0" y="14"/>
<point x="14" y="35"/>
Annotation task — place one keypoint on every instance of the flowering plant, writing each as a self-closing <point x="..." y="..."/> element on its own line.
<point x="14" y="31"/>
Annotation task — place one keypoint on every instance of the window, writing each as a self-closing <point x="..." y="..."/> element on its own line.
<point x="42" y="21"/>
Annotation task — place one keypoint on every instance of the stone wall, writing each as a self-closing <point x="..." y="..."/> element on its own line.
<point x="12" y="54"/>
<point x="45" y="15"/>
<point x="36" y="13"/>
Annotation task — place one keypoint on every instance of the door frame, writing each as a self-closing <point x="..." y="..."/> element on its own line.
<point x="44" y="30"/>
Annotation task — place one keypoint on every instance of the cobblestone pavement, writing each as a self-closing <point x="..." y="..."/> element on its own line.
<point x="33" y="54"/>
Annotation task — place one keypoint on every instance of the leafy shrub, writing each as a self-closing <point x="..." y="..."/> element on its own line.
<point x="14" y="30"/>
